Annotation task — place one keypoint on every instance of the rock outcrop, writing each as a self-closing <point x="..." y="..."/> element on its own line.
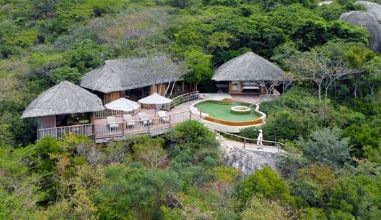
<point x="372" y="8"/>
<point x="369" y="19"/>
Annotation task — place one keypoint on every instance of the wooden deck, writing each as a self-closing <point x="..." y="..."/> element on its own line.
<point x="101" y="130"/>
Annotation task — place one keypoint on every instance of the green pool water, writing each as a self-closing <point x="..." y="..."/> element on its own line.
<point x="221" y="110"/>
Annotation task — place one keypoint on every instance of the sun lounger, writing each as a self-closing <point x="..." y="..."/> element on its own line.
<point x="163" y="116"/>
<point x="129" y="121"/>
<point x="146" y="119"/>
<point x="111" y="123"/>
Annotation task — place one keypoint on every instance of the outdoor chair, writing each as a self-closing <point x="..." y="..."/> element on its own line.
<point x="164" y="118"/>
<point x="129" y="121"/>
<point x="111" y="123"/>
<point x="146" y="119"/>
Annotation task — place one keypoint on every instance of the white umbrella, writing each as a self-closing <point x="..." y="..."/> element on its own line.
<point x="123" y="104"/>
<point x="155" y="99"/>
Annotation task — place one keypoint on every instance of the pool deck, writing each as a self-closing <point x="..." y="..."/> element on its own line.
<point x="245" y="98"/>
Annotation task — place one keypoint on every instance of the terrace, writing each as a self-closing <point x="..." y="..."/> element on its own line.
<point x="99" y="129"/>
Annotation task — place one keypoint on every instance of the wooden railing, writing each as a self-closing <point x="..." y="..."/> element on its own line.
<point x="154" y="126"/>
<point x="187" y="97"/>
<point x="245" y="140"/>
<point x="59" y="132"/>
<point x="107" y="112"/>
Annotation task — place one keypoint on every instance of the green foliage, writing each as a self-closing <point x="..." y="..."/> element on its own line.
<point x="180" y="175"/>
<point x="87" y="55"/>
<point x="266" y="183"/>
<point x="263" y="209"/>
<point x="150" y="152"/>
<point x="373" y="153"/>
<point x="361" y="136"/>
<point x="356" y="197"/>
<point x="194" y="153"/>
<point x="19" y="191"/>
<point x="324" y="146"/>
<point x="313" y="214"/>
<point x="66" y="73"/>
<point x="200" y="65"/>
<point x="141" y="192"/>
<point x="313" y="184"/>
<point x="192" y="132"/>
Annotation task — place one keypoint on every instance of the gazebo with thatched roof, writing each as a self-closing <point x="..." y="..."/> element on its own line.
<point x="135" y="78"/>
<point x="63" y="105"/>
<point x="248" y="74"/>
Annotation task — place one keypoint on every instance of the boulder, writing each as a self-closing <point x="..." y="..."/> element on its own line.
<point x="368" y="20"/>
<point x="372" y="8"/>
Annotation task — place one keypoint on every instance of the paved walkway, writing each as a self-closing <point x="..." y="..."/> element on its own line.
<point x="249" y="146"/>
<point x="247" y="159"/>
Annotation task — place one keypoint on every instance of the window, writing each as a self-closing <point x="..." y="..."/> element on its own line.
<point x="235" y="86"/>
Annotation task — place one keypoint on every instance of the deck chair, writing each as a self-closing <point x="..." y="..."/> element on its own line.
<point x="129" y="121"/>
<point x="111" y="123"/>
<point x="146" y="120"/>
<point x="164" y="118"/>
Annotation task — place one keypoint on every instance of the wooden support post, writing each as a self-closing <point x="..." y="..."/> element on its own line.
<point x="123" y="126"/>
<point x="244" y="142"/>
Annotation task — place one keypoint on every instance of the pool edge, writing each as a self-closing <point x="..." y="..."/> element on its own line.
<point x="207" y="117"/>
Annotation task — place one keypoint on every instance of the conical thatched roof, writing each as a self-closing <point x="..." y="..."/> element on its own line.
<point x="248" y="67"/>
<point x="124" y="74"/>
<point x="64" y="98"/>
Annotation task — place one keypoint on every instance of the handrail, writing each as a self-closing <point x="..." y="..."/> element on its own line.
<point x="245" y="139"/>
<point x="109" y="112"/>
<point x="59" y="132"/>
<point x="187" y="97"/>
<point x="276" y="144"/>
<point x="152" y="125"/>
<point x="251" y="139"/>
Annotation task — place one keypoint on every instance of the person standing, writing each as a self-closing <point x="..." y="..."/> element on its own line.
<point x="260" y="138"/>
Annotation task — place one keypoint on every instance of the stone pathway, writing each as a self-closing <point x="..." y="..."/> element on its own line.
<point x="250" y="158"/>
<point x="249" y="146"/>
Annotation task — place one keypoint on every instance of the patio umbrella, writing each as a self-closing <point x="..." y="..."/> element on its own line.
<point x="123" y="104"/>
<point x="155" y="99"/>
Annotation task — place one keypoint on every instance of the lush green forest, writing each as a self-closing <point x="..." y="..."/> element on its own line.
<point x="329" y="117"/>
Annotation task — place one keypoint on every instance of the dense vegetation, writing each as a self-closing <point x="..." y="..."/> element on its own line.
<point x="329" y="118"/>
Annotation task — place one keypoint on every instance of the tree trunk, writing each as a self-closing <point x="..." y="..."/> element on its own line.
<point x="319" y="91"/>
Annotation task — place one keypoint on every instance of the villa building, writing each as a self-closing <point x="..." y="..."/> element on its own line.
<point x="67" y="107"/>
<point x="136" y="78"/>
<point x="248" y="74"/>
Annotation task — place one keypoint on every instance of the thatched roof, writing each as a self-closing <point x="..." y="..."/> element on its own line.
<point x="132" y="73"/>
<point x="64" y="98"/>
<point x="248" y="67"/>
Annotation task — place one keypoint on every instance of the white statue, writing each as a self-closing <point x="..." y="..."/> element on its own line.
<point x="260" y="138"/>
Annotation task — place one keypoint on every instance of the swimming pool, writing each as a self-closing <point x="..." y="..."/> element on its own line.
<point x="220" y="112"/>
